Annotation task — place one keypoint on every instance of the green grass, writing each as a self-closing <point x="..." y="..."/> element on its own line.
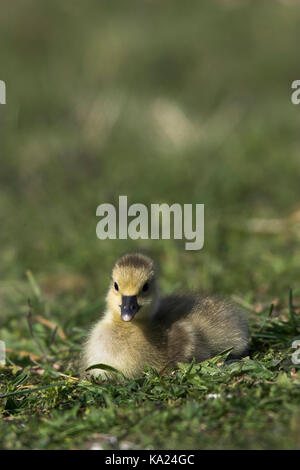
<point x="252" y="403"/>
<point x="162" y="103"/>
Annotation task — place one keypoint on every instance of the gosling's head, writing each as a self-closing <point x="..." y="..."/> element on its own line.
<point x="132" y="293"/>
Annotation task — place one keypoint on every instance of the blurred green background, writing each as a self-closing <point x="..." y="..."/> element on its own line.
<point x="162" y="101"/>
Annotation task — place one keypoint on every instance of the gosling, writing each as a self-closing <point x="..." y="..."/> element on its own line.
<point x="139" y="328"/>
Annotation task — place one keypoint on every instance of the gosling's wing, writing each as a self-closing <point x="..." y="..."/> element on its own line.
<point x="203" y="325"/>
<point x="222" y="323"/>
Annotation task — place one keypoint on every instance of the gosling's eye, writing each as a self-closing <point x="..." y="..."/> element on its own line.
<point x="145" y="287"/>
<point x="116" y="286"/>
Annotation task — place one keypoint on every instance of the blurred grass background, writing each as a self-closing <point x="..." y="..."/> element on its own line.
<point x="163" y="102"/>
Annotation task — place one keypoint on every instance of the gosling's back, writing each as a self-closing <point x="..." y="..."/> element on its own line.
<point x="200" y="327"/>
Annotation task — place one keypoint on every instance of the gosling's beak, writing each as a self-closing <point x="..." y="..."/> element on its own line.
<point x="129" y="307"/>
